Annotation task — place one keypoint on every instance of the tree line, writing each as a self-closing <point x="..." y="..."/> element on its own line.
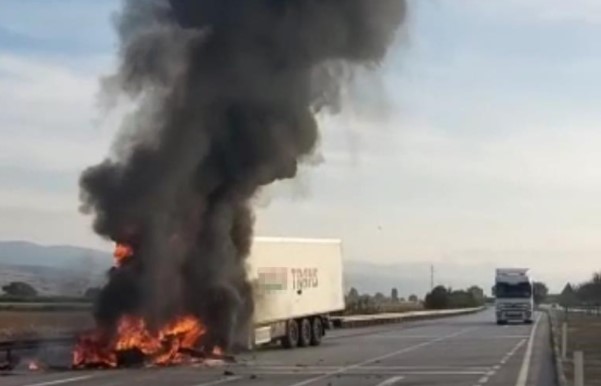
<point x="441" y="298"/>
<point x="18" y="291"/>
<point x="360" y="304"/>
<point x="585" y="294"/>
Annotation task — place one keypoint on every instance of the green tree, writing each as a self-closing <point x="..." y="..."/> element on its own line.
<point x="394" y="295"/>
<point x="413" y="298"/>
<point x="353" y="294"/>
<point x="18" y="288"/>
<point x="541" y="291"/>
<point x="438" y="298"/>
<point x="590" y="291"/>
<point x="462" y="299"/>
<point x="353" y="301"/>
<point x="568" y="297"/>
<point x="477" y="294"/>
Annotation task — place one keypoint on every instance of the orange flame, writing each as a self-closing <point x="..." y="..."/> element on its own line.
<point x="34" y="365"/>
<point x="160" y="348"/>
<point x="122" y="253"/>
<point x="101" y="347"/>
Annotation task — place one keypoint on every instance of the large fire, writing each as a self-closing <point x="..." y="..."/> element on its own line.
<point x="171" y="344"/>
<point x="122" y="253"/>
<point x="166" y="346"/>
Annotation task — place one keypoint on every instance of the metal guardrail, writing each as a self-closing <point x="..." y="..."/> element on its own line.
<point x="577" y="309"/>
<point x="373" y="319"/>
<point x="8" y="347"/>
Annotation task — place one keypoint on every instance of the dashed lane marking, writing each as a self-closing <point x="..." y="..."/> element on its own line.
<point x="385" y="356"/>
<point x="220" y="381"/>
<point x="494" y="369"/>
<point x="359" y="372"/>
<point x="391" y="381"/>
<point x="62" y="381"/>
<point x="523" y="375"/>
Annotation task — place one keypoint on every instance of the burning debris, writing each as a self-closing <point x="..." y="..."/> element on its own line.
<point x="227" y="92"/>
<point x="132" y="342"/>
<point x="122" y="253"/>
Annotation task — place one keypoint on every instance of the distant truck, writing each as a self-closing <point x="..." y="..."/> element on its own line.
<point x="514" y="295"/>
<point x="297" y="284"/>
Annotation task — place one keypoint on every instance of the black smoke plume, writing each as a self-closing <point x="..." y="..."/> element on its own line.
<point x="227" y="92"/>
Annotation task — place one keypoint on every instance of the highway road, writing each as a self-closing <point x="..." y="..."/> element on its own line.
<point x="469" y="350"/>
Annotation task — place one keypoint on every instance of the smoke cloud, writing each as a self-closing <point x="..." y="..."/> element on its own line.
<point x="227" y="94"/>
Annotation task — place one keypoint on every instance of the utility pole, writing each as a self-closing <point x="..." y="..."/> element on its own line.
<point x="431" y="277"/>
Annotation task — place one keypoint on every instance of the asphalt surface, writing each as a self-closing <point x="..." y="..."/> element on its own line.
<point x="468" y="350"/>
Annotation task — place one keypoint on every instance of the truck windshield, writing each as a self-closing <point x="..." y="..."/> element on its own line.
<point x="520" y="290"/>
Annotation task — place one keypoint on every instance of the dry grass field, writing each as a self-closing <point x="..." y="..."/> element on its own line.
<point x="20" y="324"/>
<point x="584" y="334"/>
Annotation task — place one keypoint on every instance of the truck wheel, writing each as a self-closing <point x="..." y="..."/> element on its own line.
<point x="291" y="338"/>
<point x="305" y="333"/>
<point x="316" y="332"/>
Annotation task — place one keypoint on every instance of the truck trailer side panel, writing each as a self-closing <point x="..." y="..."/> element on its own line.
<point x="295" y="278"/>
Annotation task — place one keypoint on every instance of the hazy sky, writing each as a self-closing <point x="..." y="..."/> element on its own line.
<point x="477" y="147"/>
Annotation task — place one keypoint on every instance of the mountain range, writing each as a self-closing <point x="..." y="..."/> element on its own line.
<point x="69" y="270"/>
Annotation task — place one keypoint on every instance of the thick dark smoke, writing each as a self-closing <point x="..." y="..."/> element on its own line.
<point x="228" y="91"/>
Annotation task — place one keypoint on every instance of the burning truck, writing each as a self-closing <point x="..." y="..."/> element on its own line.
<point x="296" y="283"/>
<point x="227" y="95"/>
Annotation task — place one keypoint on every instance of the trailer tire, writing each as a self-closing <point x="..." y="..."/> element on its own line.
<point x="290" y="340"/>
<point x="306" y="333"/>
<point x="316" y="331"/>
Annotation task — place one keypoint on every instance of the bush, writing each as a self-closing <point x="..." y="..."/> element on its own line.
<point x="584" y="294"/>
<point x="540" y="292"/>
<point x="441" y="298"/>
<point x="357" y="304"/>
<point x="18" y="288"/>
<point x="438" y="298"/>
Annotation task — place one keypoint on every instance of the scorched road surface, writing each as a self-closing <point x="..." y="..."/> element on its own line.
<point x="466" y="350"/>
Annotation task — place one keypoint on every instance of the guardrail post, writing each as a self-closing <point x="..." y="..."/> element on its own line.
<point x="564" y="341"/>
<point x="578" y="368"/>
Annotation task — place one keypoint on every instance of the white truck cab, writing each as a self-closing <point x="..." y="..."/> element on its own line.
<point x="514" y="295"/>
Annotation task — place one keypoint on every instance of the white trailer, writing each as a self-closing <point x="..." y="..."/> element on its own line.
<point x="297" y="284"/>
<point x="514" y="295"/>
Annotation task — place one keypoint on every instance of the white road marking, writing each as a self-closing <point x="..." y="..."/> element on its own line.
<point x="479" y="369"/>
<point x="62" y="381"/>
<point x="391" y="381"/>
<point x="523" y="375"/>
<point x="493" y="370"/>
<point x="399" y="336"/>
<point x="220" y="381"/>
<point x="385" y="356"/>
<point x="417" y="373"/>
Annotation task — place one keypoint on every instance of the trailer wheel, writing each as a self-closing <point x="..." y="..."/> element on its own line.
<point x="316" y="332"/>
<point x="292" y="335"/>
<point x="306" y="334"/>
